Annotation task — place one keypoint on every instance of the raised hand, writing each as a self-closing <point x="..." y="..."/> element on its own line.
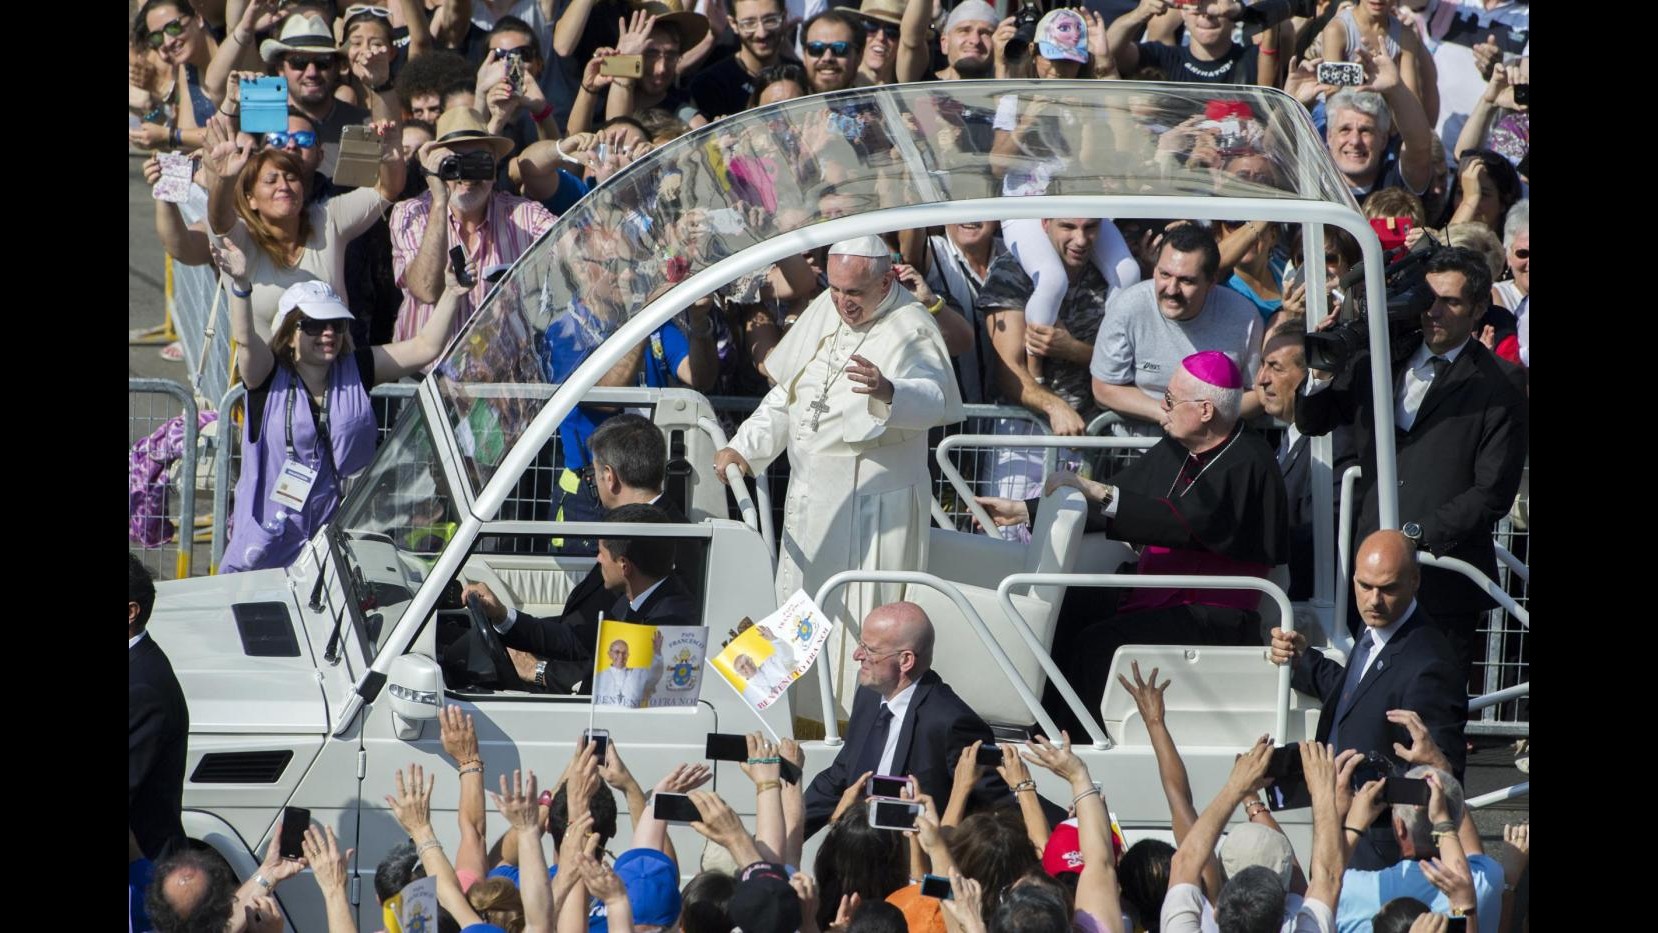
<point x="322" y="853"/>
<point x="591" y="80"/>
<point x="1422" y="749"/>
<point x="757" y="767"/>
<point x="224" y="151"/>
<point x="1013" y="769"/>
<point x="1148" y="694"/>
<point x="867" y="379"/>
<point x="1057" y="758"/>
<point x="854" y="792"/>
<point x="455" y="730"/>
<point x="967" y="770"/>
<point x="1249" y="771"/>
<point x="412" y="804"/>
<point x="635" y="34"/>
<point x="684" y="778"/>
<point x="517" y="802"/>
<point x="911" y="278"/>
<point x="963" y="905"/>
<point x="230" y="259"/>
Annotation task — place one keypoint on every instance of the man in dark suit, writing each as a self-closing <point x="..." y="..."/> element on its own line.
<point x="1400" y="661"/>
<point x="629" y="464"/>
<point x="905" y="719"/>
<point x="158" y="727"/>
<point x="1460" y="439"/>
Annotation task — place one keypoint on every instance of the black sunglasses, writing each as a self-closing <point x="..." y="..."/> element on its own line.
<point x="301" y="63"/>
<point x="173" y="30"/>
<point x="838" y="49"/>
<point x="872" y="27"/>
<point x="314" y="328"/>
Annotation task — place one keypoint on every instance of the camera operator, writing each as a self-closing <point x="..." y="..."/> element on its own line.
<point x="494" y="227"/>
<point x="1460" y="435"/>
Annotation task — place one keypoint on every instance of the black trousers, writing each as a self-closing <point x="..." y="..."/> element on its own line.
<point x="1086" y="659"/>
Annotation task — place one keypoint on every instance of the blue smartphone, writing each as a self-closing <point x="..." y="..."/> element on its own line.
<point x="264" y="105"/>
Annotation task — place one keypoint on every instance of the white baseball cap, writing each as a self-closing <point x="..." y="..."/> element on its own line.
<point x="315" y="299"/>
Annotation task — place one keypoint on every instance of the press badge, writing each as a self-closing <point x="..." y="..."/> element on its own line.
<point x="293" y="485"/>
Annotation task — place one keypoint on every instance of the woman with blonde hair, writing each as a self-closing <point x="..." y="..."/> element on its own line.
<point x="259" y="199"/>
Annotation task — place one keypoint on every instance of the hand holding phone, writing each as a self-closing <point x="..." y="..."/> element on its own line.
<point x="725" y="746"/>
<point x="675" y="808"/>
<point x="457" y="265"/>
<point x="897" y="815"/>
<point x="886" y="785"/>
<point x="622" y="66"/>
<point x="599" y="738"/>
<point x="174" y="186"/>
<point x="936" y="886"/>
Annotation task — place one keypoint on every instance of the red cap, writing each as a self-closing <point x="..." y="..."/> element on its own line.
<point x="1221" y="109"/>
<point x="1064" y="850"/>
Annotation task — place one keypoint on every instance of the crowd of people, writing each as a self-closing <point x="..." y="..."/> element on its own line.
<point x="502" y="115"/>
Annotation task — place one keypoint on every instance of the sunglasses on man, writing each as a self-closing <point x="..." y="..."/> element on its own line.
<point x="889" y="30"/>
<point x="172" y="30"/>
<point x="304" y="139"/>
<point x="837" y="49"/>
<point x="301" y="63"/>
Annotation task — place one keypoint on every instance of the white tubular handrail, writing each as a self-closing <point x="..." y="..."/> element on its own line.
<point x="768" y="530"/>
<point x="1521" y="789"/>
<point x="1515" y="565"/>
<point x="733" y="474"/>
<point x="832" y="729"/>
<point x="1501" y="696"/>
<point x="965" y="494"/>
<point x="1473" y="573"/>
<point x="1344" y="559"/>
<point x="1004" y="595"/>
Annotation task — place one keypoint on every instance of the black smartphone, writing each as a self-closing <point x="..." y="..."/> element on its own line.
<point x="1285" y="761"/>
<point x="674" y="808"/>
<point x="1522" y="96"/>
<point x="295" y="821"/>
<point x="724" y="746"/>
<point x="935" y="886"/>
<point x="1456" y="925"/>
<point x="990" y="755"/>
<point x="1289" y="793"/>
<point x="601" y="742"/>
<point x="882" y="785"/>
<point x="457" y="262"/>
<point x="1409" y="791"/>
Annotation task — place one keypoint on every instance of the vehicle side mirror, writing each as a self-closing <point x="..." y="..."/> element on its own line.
<point x="416" y="688"/>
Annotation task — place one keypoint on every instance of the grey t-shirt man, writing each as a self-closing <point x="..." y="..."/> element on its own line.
<point x="1137" y="345"/>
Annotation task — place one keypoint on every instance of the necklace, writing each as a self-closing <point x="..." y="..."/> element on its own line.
<point x="821" y="405"/>
<point x="1205" y="469"/>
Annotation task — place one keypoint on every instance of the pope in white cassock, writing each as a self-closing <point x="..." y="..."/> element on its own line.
<point x="860" y="379"/>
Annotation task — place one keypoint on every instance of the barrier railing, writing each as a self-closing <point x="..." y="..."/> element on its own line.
<point x="143" y="419"/>
<point x="948" y="468"/>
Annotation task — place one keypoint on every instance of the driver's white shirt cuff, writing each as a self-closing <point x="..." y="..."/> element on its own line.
<point x="1315" y="386"/>
<point x="511" y="620"/>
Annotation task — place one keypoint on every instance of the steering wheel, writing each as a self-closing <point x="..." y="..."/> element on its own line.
<point x="487" y="661"/>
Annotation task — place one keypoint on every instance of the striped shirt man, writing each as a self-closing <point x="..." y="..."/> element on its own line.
<point x="510" y="225"/>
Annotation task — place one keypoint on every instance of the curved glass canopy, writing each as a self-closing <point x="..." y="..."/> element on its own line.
<point x="749" y="178"/>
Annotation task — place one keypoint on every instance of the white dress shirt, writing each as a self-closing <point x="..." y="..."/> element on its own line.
<point x="898" y="705"/>
<point x="134" y="640"/>
<point x="1381" y="636"/>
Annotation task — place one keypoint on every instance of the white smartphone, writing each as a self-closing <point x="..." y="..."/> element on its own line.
<point x="888" y="813"/>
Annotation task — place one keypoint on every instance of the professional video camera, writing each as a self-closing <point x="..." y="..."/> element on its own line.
<point x="1024" y="30"/>
<point x="1408" y="295"/>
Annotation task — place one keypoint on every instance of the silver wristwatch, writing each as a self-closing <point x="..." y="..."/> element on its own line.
<point x="541" y="673"/>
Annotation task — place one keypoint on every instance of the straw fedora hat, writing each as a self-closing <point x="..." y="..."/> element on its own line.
<point x="461" y="125"/>
<point x="300" y="34"/>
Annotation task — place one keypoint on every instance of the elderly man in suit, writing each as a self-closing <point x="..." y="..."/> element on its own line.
<point x="1460" y="439"/>
<point x="158" y="727"/>
<point x="1400" y="662"/>
<point x="905" y="719"/>
<point x="1283" y="367"/>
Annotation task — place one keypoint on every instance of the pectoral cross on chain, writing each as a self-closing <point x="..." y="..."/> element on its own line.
<point x="818" y="407"/>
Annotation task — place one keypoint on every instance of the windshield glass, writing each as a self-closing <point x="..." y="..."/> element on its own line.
<point x="392" y="526"/>
<point x="745" y="179"/>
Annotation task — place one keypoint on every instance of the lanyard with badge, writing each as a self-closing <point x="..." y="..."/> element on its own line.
<point x="294" y="482"/>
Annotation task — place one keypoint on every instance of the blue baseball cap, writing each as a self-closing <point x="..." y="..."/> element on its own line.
<point x="652" y="882"/>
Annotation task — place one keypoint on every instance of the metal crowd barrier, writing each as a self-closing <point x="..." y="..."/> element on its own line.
<point x="151" y="403"/>
<point x="201" y="317"/>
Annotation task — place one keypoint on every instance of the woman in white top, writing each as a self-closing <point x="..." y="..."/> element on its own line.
<point x="259" y="200"/>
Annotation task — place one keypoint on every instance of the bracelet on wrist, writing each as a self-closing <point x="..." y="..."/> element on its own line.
<point x="429" y="844"/>
<point x="260" y="879"/>
<point x="1353" y="829"/>
<point x="1444" y="826"/>
<point x="761" y="787"/>
<point x="542" y="114"/>
<point x="1024" y="786"/>
<point x="1090" y="792"/>
<point x="239" y="293"/>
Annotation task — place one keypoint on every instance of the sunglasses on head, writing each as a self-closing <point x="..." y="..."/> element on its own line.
<point x="357" y="8"/>
<point x="304" y="139"/>
<point x="314" y="328"/>
<point x="872" y="27"/>
<point x="173" y="30"/>
<point x="301" y="63"/>
<point x="838" y="49"/>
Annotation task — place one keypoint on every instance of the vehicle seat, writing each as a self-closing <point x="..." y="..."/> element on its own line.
<point x="1220" y="696"/>
<point x="976" y="563"/>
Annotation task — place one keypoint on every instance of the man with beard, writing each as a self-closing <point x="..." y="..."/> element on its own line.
<point x="833" y="46"/>
<point x="492" y="226"/>
<point x="723" y="88"/>
<point x="306" y="56"/>
<point x="965" y="42"/>
<point x="1150" y="327"/>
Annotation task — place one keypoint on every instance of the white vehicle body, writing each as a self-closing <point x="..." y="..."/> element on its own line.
<point x="316" y="698"/>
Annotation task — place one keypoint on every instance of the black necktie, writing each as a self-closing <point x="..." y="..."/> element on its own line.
<point x="1355" y="673"/>
<point x="1438" y="363"/>
<point x="869" y="759"/>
